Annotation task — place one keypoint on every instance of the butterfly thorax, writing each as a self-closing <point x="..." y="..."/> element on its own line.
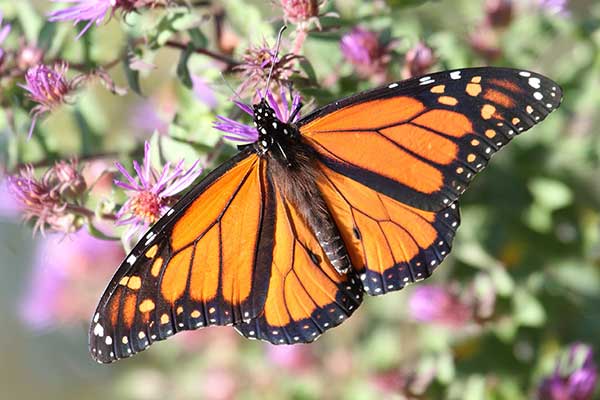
<point x="292" y="168"/>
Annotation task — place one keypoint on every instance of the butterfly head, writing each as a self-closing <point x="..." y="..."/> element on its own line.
<point x="271" y="130"/>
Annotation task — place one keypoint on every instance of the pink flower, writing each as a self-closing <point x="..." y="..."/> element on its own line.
<point x="49" y="87"/>
<point x="300" y="11"/>
<point x="245" y="134"/>
<point x="365" y="51"/>
<point x="67" y="278"/>
<point x="92" y="11"/>
<point x="294" y="358"/>
<point x="439" y="305"/>
<point x="418" y="60"/>
<point x="4" y="31"/>
<point x="151" y="194"/>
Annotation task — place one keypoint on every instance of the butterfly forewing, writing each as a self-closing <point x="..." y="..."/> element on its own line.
<point x="422" y="141"/>
<point x="204" y="263"/>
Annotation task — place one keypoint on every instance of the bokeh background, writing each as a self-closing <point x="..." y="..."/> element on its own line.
<point x="519" y="295"/>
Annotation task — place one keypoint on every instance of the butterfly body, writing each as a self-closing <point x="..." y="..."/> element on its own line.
<point x="360" y="196"/>
<point x="292" y="169"/>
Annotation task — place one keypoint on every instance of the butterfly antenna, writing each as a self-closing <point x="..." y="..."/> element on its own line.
<point x="235" y="94"/>
<point x="274" y="59"/>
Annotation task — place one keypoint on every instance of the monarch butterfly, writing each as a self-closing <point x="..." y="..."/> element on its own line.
<point x="359" y="196"/>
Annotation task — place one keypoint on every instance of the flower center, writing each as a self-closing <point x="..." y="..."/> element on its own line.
<point x="146" y="205"/>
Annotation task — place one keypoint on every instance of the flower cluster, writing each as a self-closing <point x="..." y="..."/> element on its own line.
<point x="49" y="201"/>
<point x="365" y="51"/>
<point x="152" y="193"/>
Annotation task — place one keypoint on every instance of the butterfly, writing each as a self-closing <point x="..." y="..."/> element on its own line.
<point x="359" y="196"/>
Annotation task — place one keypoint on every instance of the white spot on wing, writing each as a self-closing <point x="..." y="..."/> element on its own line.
<point x="98" y="330"/>
<point x="131" y="259"/>
<point x="392" y="85"/>
<point x="526" y="74"/>
<point x="534" y="82"/>
<point x="455" y="75"/>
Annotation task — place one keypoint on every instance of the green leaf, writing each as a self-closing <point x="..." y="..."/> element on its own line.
<point x="183" y="71"/>
<point x="46" y="35"/>
<point x="198" y="39"/>
<point x="527" y="310"/>
<point x="550" y="193"/>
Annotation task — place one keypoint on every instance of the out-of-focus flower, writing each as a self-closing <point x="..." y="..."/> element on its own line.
<point x="257" y="64"/>
<point x="439" y="305"/>
<point x="574" y="377"/>
<point x="418" y="60"/>
<point x="46" y="200"/>
<point x="365" y="51"/>
<point x="10" y="207"/>
<point x="410" y="383"/>
<point x="300" y="11"/>
<point x="47" y="86"/>
<point x="147" y="118"/>
<point x="485" y="41"/>
<point x="92" y="11"/>
<point x="204" y="92"/>
<point x="4" y="31"/>
<point x="219" y="384"/>
<point x="151" y="194"/>
<point x="29" y="56"/>
<point x="554" y="6"/>
<point x="243" y="133"/>
<point x="66" y="277"/>
<point x="296" y="358"/>
<point x="499" y="13"/>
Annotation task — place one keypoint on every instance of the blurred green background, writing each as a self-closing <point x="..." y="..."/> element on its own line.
<point x="528" y="247"/>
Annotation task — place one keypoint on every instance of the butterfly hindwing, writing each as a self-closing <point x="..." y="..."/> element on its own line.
<point x="390" y="243"/>
<point x="306" y="295"/>
<point x="204" y="263"/>
<point x="423" y="140"/>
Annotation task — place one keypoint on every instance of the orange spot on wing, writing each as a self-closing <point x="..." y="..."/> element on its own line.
<point x="156" y="266"/>
<point x="438" y="89"/>
<point x="113" y="307"/>
<point x="499" y="98"/>
<point x="487" y="111"/>
<point x="368" y="115"/>
<point x="508" y="85"/>
<point x="445" y="121"/>
<point x="473" y="89"/>
<point x="135" y="282"/>
<point x="448" y="100"/>
<point x="423" y="142"/>
<point x="129" y="309"/>
<point x="176" y="274"/>
<point x="146" y="306"/>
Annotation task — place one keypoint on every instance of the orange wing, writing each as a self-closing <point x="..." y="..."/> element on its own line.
<point x="422" y="141"/>
<point x="306" y="295"/>
<point x="204" y="263"/>
<point x="390" y="243"/>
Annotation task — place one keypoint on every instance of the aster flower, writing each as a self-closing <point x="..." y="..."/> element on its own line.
<point x="28" y="56"/>
<point x="300" y="11"/>
<point x="365" y="51"/>
<point x="65" y="279"/>
<point x="418" y="60"/>
<point x="574" y="378"/>
<point x="151" y="194"/>
<point x="45" y="201"/>
<point x="92" y="11"/>
<point x="439" y="305"/>
<point x="49" y="87"/>
<point x="4" y="31"/>
<point x="257" y="63"/>
<point x="245" y="134"/>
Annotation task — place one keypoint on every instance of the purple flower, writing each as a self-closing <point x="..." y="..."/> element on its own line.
<point x="554" y="6"/>
<point x="45" y="201"/>
<point x="364" y="50"/>
<point x="92" y="11"/>
<point x="245" y="134"/>
<point x="203" y="92"/>
<point x="293" y="358"/>
<point x="574" y="377"/>
<point x="256" y="66"/>
<point x="66" y="277"/>
<point x="439" y="305"/>
<point x="47" y="86"/>
<point x="418" y="60"/>
<point x="4" y="31"/>
<point x="151" y="194"/>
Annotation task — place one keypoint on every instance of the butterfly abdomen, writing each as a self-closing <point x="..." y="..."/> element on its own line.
<point x="295" y="178"/>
